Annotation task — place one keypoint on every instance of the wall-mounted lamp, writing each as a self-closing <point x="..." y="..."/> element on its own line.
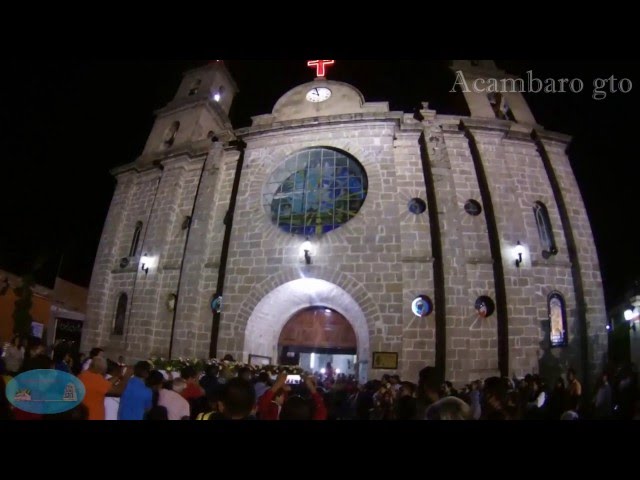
<point x="306" y="248"/>
<point x="144" y="264"/>
<point x="519" y="252"/>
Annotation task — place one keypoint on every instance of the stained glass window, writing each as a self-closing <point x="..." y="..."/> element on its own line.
<point x="417" y="206"/>
<point x="558" y="320"/>
<point x="315" y="191"/>
<point x="473" y="208"/>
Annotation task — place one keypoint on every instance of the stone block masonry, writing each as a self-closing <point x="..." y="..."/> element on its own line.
<point x="372" y="267"/>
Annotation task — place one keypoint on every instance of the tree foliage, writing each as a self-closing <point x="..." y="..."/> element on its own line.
<point x="21" y="314"/>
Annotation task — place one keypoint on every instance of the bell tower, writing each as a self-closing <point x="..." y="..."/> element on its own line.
<point x="198" y="113"/>
<point x="491" y="92"/>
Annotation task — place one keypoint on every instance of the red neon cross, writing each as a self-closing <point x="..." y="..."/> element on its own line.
<point x="320" y="66"/>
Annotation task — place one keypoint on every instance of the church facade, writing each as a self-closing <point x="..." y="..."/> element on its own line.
<point x="457" y="242"/>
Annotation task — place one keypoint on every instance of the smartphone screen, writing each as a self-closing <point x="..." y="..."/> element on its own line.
<point x="293" y="380"/>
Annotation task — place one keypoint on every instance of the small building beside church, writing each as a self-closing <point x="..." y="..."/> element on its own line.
<point x="58" y="314"/>
<point x="335" y="226"/>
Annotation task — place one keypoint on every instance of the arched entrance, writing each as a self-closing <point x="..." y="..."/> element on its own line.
<point x="272" y="313"/>
<point x="316" y="336"/>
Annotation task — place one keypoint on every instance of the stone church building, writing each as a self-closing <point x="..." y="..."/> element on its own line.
<point x="333" y="224"/>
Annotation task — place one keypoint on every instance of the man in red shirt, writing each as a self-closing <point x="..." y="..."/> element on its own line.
<point x="274" y="401"/>
<point x="270" y="403"/>
<point x="193" y="391"/>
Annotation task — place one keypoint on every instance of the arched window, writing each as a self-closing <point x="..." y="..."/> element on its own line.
<point x="557" y="319"/>
<point x="170" y="134"/>
<point x="195" y="87"/>
<point x="136" y="240"/>
<point x="545" y="232"/>
<point x="500" y="106"/>
<point x="315" y="190"/>
<point x="121" y="314"/>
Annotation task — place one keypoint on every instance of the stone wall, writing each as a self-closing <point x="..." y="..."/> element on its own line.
<point x="372" y="267"/>
<point x="589" y="267"/>
<point x="367" y="248"/>
<point x="472" y="342"/>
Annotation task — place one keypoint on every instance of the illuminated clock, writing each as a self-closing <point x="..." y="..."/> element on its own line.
<point x="318" y="95"/>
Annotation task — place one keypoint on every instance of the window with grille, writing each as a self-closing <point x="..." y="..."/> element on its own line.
<point x="315" y="191"/>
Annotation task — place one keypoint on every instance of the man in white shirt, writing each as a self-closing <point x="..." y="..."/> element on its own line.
<point x="111" y="404"/>
<point x="177" y="406"/>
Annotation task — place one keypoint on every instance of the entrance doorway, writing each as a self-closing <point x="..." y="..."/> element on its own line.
<point x="270" y="315"/>
<point x="69" y="332"/>
<point x="319" y="340"/>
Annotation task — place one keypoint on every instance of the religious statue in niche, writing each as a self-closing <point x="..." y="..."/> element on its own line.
<point x="558" y="321"/>
<point x="171" y="302"/>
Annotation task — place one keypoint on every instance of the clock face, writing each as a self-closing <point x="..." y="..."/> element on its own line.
<point x="318" y="95"/>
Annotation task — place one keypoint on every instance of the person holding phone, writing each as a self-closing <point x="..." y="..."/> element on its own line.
<point x="270" y="403"/>
<point x="276" y="401"/>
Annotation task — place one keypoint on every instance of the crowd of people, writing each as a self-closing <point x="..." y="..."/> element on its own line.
<point x="115" y="391"/>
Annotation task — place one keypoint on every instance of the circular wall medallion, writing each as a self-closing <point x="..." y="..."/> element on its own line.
<point x="171" y="302"/>
<point x="473" y="208"/>
<point x="417" y="206"/>
<point x="124" y="262"/>
<point x="422" y="306"/>
<point x="485" y="306"/>
<point x="216" y="303"/>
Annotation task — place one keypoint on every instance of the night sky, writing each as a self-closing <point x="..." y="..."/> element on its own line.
<point x="65" y="125"/>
